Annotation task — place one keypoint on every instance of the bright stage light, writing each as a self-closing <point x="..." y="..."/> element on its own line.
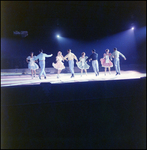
<point x="58" y="36"/>
<point x="132" y="28"/>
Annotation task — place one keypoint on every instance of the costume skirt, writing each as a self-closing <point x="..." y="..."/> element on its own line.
<point x="59" y="65"/>
<point x="82" y="66"/>
<point x="104" y="64"/>
<point x="33" y="66"/>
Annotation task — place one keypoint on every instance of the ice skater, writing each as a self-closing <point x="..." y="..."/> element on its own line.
<point x="115" y="55"/>
<point x="41" y="58"/>
<point x="31" y="64"/>
<point x="105" y="61"/>
<point x="95" y="64"/>
<point x="82" y="64"/>
<point x="70" y="58"/>
<point x="59" y="64"/>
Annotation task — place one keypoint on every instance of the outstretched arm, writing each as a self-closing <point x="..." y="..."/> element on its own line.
<point x="89" y="58"/>
<point x="122" y="55"/>
<point x="48" y="55"/>
<point x="37" y="57"/>
<point x="36" y="61"/>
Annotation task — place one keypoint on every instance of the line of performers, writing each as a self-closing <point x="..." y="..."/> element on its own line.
<point x="106" y="62"/>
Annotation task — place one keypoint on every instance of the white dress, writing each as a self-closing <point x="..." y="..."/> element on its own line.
<point x="82" y="64"/>
<point x="59" y="64"/>
<point x="106" y="61"/>
<point x="32" y="65"/>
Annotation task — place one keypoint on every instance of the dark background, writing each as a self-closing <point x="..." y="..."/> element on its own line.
<point x="83" y="115"/>
<point x="82" y="23"/>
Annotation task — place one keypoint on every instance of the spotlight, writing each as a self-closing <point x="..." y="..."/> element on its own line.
<point x="58" y="36"/>
<point x="132" y="28"/>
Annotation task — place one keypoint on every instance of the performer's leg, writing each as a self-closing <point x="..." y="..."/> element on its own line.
<point x="42" y="70"/>
<point x="94" y="67"/>
<point x="97" y="67"/>
<point x="58" y="73"/>
<point x="32" y="73"/>
<point x="118" y="66"/>
<point x="115" y="64"/>
<point x="81" y="72"/>
<point x="71" y="66"/>
<point x="69" y="63"/>
<point x="109" y="70"/>
<point x="105" y="70"/>
<point x="44" y="73"/>
<point x="86" y="72"/>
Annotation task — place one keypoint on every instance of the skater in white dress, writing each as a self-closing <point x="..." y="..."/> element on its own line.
<point x="105" y="61"/>
<point x="59" y="64"/>
<point x="82" y="64"/>
<point x="31" y="64"/>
